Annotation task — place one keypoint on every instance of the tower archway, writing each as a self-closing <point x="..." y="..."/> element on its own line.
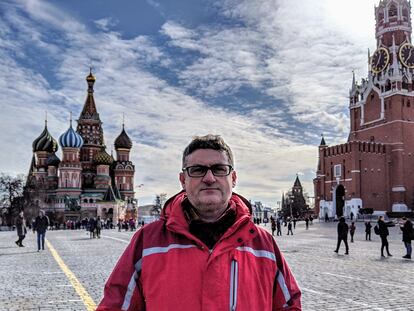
<point x="340" y="200"/>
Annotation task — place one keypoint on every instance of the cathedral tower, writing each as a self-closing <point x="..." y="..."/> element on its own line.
<point x="44" y="147"/>
<point x="124" y="170"/>
<point x="90" y="128"/>
<point x="70" y="169"/>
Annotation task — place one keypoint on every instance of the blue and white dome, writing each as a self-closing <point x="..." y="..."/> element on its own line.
<point x="71" y="139"/>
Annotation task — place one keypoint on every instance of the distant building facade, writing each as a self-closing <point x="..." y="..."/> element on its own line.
<point x="374" y="168"/>
<point x="86" y="181"/>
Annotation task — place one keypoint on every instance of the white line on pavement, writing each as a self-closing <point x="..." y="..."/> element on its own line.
<point x="343" y="299"/>
<point x="116" y="239"/>
<point x="366" y="280"/>
<point x="63" y="301"/>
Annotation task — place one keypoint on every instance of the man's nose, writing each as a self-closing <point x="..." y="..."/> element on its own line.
<point x="209" y="177"/>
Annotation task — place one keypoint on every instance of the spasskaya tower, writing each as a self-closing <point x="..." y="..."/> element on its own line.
<point x="374" y="168"/>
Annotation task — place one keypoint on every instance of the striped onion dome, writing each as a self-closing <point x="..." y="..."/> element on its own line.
<point x="71" y="139"/>
<point x="103" y="158"/>
<point x="53" y="160"/>
<point x="123" y="141"/>
<point x="45" y="142"/>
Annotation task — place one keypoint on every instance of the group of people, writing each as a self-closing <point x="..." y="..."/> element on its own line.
<point x="128" y="224"/>
<point x="290" y="223"/>
<point x="381" y="229"/>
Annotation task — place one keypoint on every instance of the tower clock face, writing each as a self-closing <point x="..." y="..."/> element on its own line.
<point x="380" y="60"/>
<point x="407" y="55"/>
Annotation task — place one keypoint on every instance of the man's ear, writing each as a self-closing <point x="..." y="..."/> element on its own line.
<point x="181" y="177"/>
<point x="234" y="178"/>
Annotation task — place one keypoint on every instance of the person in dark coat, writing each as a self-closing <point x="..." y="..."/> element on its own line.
<point x="342" y="235"/>
<point x="98" y="227"/>
<point x="20" y="222"/>
<point x="40" y="226"/>
<point x="408" y="235"/>
<point x="352" y="229"/>
<point x="307" y="223"/>
<point x="368" y="227"/>
<point x="92" y="227"/>
<point x="289" y="227"/>
<point x="279" y="227"/>
<point x="383" y="233"/>
<point x="273" y="224"/>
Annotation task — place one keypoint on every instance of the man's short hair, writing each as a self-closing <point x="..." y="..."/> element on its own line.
<point x="209" y="141"/>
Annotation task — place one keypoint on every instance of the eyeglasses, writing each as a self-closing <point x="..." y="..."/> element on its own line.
<point x="218" y="170"/>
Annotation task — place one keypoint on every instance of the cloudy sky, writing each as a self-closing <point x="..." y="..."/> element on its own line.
<point x="269" y="76"/>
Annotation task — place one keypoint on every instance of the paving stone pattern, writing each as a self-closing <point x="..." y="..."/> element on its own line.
<point x="329" y="281"/>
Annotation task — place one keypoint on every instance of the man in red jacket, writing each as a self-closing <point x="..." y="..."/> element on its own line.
<point x="204" y="253"/>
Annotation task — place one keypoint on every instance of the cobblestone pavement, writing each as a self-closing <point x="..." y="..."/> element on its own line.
<point x="329" y="281"/>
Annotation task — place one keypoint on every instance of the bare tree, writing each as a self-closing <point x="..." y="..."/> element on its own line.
<point x="11" y="193"/>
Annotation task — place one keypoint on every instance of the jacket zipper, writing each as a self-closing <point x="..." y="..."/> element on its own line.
<point x="234" y="275"/>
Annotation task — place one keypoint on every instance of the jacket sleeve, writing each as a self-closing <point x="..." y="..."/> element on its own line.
<point x="123" y="289"/>
<point x="286" y="292"/>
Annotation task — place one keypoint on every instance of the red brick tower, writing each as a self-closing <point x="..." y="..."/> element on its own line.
<point x="374" y="168"/>
<point x="90" y="128"/>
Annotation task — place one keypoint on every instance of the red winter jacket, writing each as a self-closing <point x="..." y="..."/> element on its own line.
<point x="165" y="268"/>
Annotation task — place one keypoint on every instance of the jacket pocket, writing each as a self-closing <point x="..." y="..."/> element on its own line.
<point x="234" y="276"/>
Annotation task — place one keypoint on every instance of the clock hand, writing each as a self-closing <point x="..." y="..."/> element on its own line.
<point x="379" y="60"/>
<point x="409" y="55"/>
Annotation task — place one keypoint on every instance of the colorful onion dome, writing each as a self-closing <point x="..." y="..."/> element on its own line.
<point x="53" y="160"/>
<point x="71" y="139"/>
<point x="45" y="142"/>
<point x="103" y="158"/>
<point x="123" y="140"/>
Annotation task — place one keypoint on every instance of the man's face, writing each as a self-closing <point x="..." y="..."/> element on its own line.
<point x="209" y="194"/>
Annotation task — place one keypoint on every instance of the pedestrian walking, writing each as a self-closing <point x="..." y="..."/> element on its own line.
<point x="273" y="224"/>
<point x="307" y="222"/>
<point x="207" y="251"/>
<point x="20" y="223"/>
<point x="294" y="222"/>
<point x="40" y="226"/>
<point x="352" y="229"/>
<point x="342" y="235"/>
<point x="279" y="227"/>
<point x="98" y="227"/>
<point x="383" y="233"/>
<point x="408" y="235"/>
<point x="289" y="227"/>
<point x="368" y="227"/>
<point x="311" y="219"/>
<point x="92" y="227"/>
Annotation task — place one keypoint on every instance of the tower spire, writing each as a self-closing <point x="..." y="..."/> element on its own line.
<point x="45" y="118"/>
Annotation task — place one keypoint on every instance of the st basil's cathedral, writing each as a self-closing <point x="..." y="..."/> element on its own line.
<point x="374" y="169"/>
<point x="86" y="181"/>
